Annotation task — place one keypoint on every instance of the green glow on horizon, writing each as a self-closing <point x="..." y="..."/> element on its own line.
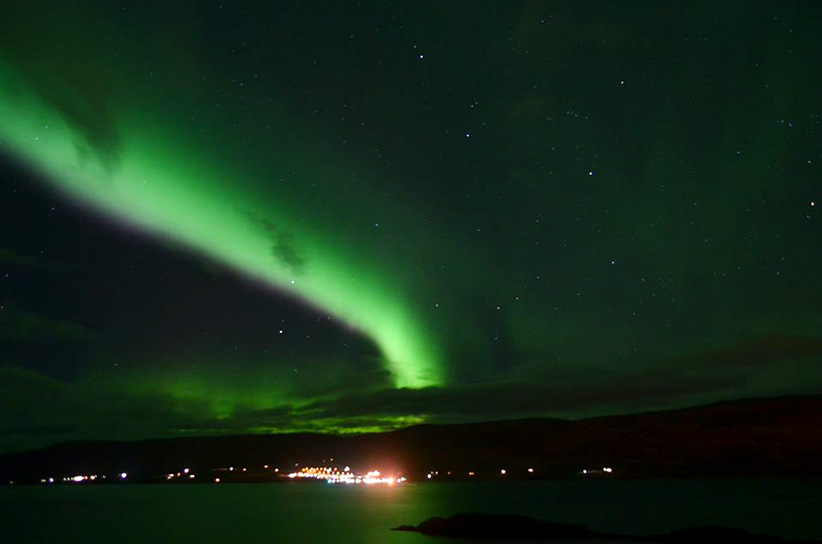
<point x="161" y="188"/>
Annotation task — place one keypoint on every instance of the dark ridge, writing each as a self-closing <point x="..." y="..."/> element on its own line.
<point x="760" y="438"/>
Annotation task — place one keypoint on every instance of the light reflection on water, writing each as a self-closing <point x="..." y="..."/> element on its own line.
<point x="309" y="513"/>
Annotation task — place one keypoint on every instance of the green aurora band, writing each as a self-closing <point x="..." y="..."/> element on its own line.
<point x="173" y="191"/>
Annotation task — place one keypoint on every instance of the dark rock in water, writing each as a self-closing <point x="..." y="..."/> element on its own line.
<point x="511" y="527"/>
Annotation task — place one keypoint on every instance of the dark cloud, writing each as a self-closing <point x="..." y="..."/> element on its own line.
<point x="309" y="419"/>
<point x="758" y="351"/>
<point x="84" y="105"/>
<point x="69" y="81"/>
<point x="283" y="246"/>
<point x="7" y="256"/>
<point x="29" y="262"/>
<point x="519" y="399"/>
<point x="22" y="325"/>
<point x="54" y="346"/>
<point x="287" y="254"/>
<point x="90" y="410"/>
<point x="353" y="375"/>
<point x="38" y="410"/>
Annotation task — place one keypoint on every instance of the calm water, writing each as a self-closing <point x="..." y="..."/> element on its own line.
<point x="297" y="513"/>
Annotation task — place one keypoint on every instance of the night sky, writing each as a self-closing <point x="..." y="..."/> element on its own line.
<point x="340" y="217"/>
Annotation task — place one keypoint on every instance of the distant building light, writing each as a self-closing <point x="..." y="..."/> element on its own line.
<point x="584" y="471"/>
<point x="78" y="478"/>
<point x="185" y="471"/>
<point x="502" y="472"/>
<point x="123" y="475"/>
<point x="531" y="470"/>
<point x="216" y="480"/>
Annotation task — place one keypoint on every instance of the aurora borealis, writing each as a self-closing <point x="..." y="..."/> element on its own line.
<point x="222" y="218"/>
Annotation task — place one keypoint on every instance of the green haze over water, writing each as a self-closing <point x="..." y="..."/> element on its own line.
<point x="320" y="513"/>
